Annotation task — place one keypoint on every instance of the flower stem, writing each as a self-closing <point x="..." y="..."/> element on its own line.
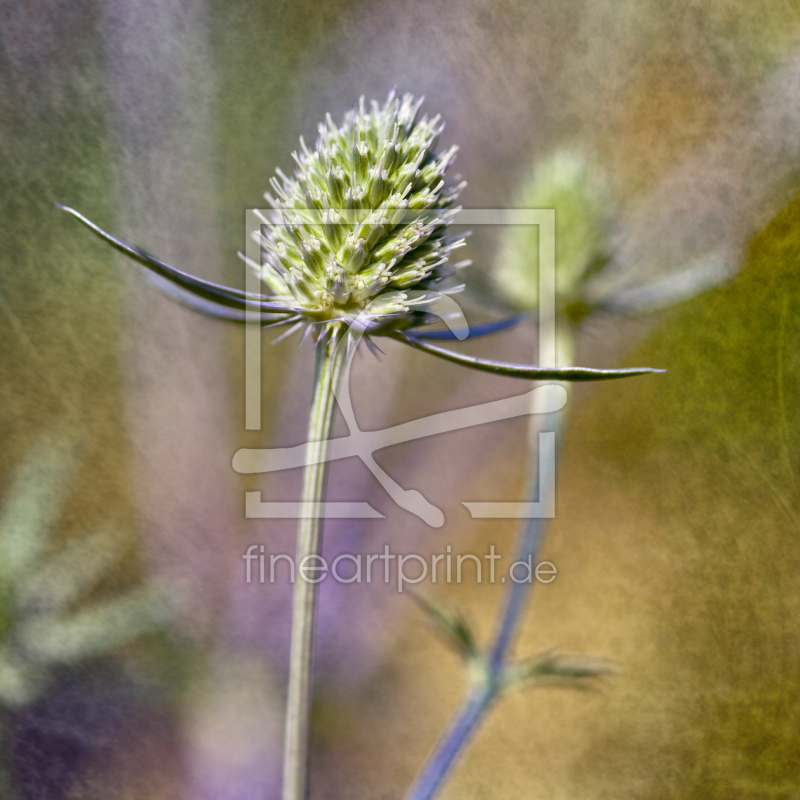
<point x="330" y="358"/>
<point x="482" y="695"/>
<point x="530" y="539"/>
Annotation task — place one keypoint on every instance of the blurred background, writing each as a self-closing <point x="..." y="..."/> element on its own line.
<point x="135" y="662"/>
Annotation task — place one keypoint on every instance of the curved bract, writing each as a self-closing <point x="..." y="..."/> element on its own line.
<point x="213" y="292"/>
<point x="526" y="371"/>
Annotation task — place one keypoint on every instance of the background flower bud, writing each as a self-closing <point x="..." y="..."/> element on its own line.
<point x="565" y="183"/>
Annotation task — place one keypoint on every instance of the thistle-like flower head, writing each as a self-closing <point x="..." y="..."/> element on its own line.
<point x="365" y="218"/>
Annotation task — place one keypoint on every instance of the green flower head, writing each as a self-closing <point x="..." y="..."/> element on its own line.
<point x="565" y="183"/>
<point x="364" y="220"/>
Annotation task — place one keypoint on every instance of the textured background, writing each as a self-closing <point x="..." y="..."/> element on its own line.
<point x="678" y="520"/>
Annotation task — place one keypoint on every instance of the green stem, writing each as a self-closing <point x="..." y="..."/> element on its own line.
<point x="330" y="358"/>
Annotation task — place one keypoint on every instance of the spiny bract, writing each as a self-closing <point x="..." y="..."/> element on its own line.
<point x="364" y="220"/>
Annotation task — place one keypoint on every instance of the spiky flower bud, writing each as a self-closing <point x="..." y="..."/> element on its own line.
<point x="364" y="219"/>
<point x="565" y="183"/>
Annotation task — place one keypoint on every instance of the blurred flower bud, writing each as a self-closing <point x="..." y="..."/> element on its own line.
<point x="565" y="183"/>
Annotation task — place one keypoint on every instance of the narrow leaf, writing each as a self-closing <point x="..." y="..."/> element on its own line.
<point x="475" y="331"/>
<point x="226" y="296"/>
<point x="94" y="631"/>
<point x="575" y="671"/>
<point x="453" y="627"/>
<point x="72" y="573"/>
<point x="701" y="275"/>
<point x="526" y="371"/>
<point x="210" y="308"/>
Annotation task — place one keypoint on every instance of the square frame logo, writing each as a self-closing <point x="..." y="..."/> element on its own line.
<point x="544" y="399"/>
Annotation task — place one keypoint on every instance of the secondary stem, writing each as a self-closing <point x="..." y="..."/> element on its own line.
<point x="482" y="696"/>
<point x="530" y="539"/>
<point x="330" y="359"/>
